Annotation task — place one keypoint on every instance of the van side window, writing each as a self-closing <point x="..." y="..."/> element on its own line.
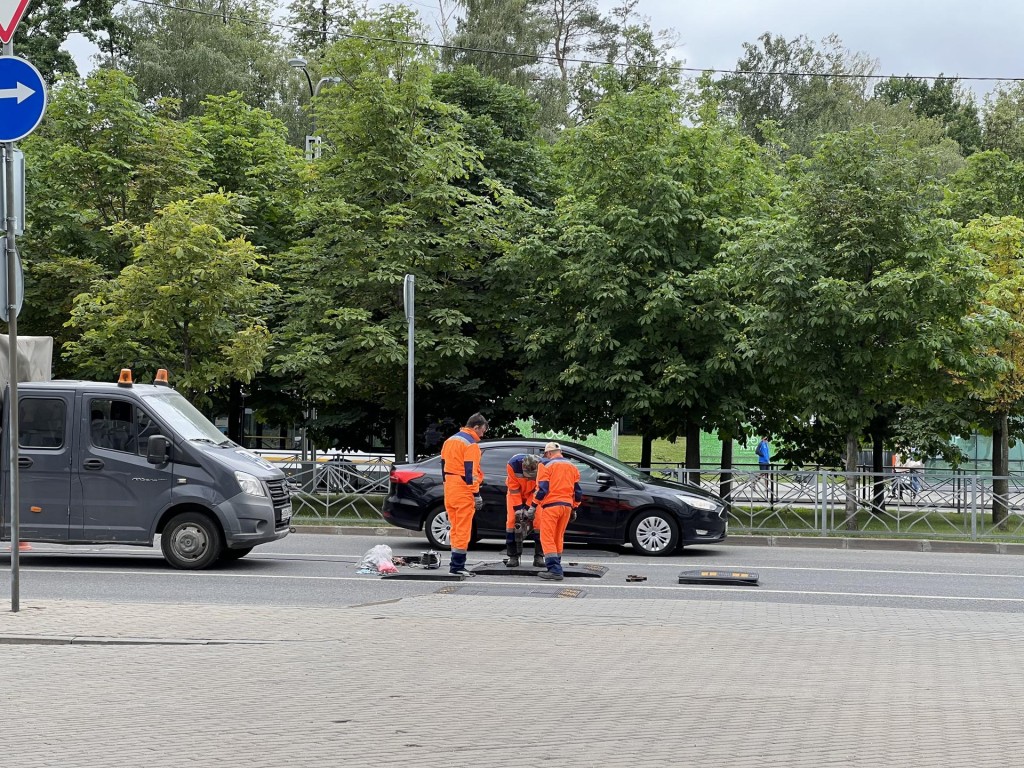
<point x="112" y="425"/>
<point x="41" y="423"/>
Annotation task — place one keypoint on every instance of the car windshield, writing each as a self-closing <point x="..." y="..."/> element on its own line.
<point x="184" y="418"/>
<point x="631" y="472"/>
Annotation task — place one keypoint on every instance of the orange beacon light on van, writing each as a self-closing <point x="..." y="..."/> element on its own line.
<point x="125" y="379"/>
<point x="161" y="378"/>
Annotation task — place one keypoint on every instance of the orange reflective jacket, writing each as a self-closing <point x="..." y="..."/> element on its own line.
<point x="460" y="458"/>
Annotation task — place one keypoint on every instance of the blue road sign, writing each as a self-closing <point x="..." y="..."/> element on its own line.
<point x="22" y="98"/>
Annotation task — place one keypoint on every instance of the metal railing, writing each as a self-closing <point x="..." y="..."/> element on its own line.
<point x="920" y="504"/>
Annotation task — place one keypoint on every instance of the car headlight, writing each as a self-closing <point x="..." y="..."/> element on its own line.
<point x="249" y="484"/>
<point x="698" y="503"/>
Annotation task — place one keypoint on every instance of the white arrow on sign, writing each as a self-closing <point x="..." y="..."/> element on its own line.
<point x="19" y="92"/>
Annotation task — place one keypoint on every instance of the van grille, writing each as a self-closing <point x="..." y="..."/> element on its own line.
<point x="280" y="499"/>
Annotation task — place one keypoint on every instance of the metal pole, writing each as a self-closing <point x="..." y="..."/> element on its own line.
<point x="11" y="298"/>
<point x="410" y="316"/>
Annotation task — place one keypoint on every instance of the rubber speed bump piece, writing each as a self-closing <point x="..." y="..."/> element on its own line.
<point x="423" y="575"/>
<point x="633" y="577"/>
<point x="571" y="571"/>
<point x="718" y="577"/>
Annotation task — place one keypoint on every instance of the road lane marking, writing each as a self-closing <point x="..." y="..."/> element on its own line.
<point x="478" y="581"/>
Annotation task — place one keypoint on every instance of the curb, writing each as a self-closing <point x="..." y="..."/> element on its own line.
<point x="742" y="540"/>
<point x="89" y="640"/>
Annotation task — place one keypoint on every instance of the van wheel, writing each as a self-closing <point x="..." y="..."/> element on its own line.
<point x="236" y="554"/>
<point x="191" y="541"/>
<point x="438" y="529"/>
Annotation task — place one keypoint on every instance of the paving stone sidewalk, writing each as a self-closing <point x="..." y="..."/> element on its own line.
<point x="451" y="679"/>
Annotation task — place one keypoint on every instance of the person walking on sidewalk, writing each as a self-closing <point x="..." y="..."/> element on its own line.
<point x="557" y="496"/>
<point x="521" y="482"/>
<point x="764" y="458"/>
<point x="460" y="468"/>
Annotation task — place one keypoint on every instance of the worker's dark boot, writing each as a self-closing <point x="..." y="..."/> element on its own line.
<point x="538" y="554"/>
<point x="554" y="569"/>
<point x="511" y="550"/>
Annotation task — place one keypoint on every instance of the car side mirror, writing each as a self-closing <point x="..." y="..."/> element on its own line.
<point x="158" y="450"/>
<point x="604" y="479"/>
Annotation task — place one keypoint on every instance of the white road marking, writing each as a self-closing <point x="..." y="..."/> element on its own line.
<point x="583" y="583"/>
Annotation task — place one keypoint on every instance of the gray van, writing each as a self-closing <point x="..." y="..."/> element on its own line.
<point x="120" y="463"/>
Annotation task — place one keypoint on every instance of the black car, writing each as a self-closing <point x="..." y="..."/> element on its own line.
<point x="620" y="503"/>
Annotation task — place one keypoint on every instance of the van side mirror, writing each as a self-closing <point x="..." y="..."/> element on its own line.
<point x="604" y="479"/>
<point x="158" y="451"/>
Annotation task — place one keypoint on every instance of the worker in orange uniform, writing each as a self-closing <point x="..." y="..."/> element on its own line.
<point x="521" y="481"/>
<point x="557" y="496"/>
<point x="460" y="467"/>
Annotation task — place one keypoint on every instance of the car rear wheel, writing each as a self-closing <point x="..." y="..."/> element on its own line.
<point x="654" y="534"/>
<point x="438" y="529"/>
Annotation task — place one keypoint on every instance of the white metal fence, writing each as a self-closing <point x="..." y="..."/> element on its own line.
<point x="930" y="504"/>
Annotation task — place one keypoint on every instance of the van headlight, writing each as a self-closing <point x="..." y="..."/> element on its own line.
<point x="250" y="484"/>
<point x="698" y="503"/>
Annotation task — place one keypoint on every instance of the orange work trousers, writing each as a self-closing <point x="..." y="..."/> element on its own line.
<point x="553" y="522"/>
<point x="458" y="502"/>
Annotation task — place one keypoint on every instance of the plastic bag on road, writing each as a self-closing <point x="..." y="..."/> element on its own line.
<point x="378" y="558"/>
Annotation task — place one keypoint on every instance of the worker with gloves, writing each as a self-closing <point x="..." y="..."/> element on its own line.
<point x="521" y="480"/>
<point x="460" y="468"/>
<point x="557" y="496"/>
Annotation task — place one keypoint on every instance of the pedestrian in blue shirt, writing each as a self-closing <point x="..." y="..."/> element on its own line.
<point x="764" y="457"/>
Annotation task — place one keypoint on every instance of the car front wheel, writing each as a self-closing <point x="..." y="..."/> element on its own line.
<point x="438" y="529"/>
<point x="654" y="534"/>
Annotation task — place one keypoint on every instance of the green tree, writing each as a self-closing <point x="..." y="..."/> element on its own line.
<point x="627" y="323"/>
<point x="47" y="25"/>
<point x="192" y="300"/>
<point x="944" y="99"/>
<point x="246" y="152"/>
<point x="856" y="297"/>
<point x="1001" y="241"/>
<point x="100" y="159"/>
<point x="1003" y="121"/>
<point x="805" y="89"/>
<point x="390" y="197"/>
<point x="990" y="183"/>
<point x="515" y="29"/>
<point x="199" y="48"/>
<point x="318" y="24"/>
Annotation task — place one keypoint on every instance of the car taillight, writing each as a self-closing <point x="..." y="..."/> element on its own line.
<point x="403" y="476"/>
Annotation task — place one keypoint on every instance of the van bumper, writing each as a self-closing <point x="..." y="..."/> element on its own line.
<point x="250" y="520"/>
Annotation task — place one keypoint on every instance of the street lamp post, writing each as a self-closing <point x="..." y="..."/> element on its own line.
<point x="312" y="141"/>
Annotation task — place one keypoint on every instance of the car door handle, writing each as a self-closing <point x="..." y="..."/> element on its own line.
<point x="24" y="462"/>
<point x="92" y="464"/>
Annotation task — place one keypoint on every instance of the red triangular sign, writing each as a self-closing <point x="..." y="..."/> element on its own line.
<point x="11" y="12"/>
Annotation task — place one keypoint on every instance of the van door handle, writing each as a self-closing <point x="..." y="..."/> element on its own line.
<point x="24" y="462"/>
<point x="92" y="464"/>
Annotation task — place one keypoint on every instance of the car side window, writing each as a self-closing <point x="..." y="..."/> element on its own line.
<point x="588" y="472"/>
<point x="112" y="425"/>
<point x="41" y="422"/>
<point x="493" y="461"/>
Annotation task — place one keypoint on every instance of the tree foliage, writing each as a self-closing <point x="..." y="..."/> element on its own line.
<point x="192" y="300"/>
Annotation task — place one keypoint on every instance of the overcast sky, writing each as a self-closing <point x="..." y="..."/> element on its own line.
<point x="918" y="37"/>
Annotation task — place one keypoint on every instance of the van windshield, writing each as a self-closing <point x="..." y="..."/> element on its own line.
<point x="184" y="418"/>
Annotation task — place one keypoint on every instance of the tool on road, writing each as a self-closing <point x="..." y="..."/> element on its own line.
<point x="633" y="577"/>
<point x="524" y="524"/>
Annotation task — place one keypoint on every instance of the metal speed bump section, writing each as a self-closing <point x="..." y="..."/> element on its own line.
<point x="718" y="576"/>
<point x="423" y="575"/>
<point x="571" y="571"/>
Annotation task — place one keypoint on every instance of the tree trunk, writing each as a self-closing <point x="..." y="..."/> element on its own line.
<point x="851" y="481"/>
<point x="236" y="412"/>
<point x="1000" y="469"/>
<point x="878" y="468"/>
<point x="645" y="451"/>
<point x="725" y="479"/>
<point x="400" y="440"/>
<point x="693" y="452"/>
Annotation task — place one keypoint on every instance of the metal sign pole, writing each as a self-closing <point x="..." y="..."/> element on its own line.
<point x="10" y="260"/>
<point x="410" y="316"/>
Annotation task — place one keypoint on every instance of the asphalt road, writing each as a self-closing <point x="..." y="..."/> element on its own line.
<point x="320" y="570"/>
